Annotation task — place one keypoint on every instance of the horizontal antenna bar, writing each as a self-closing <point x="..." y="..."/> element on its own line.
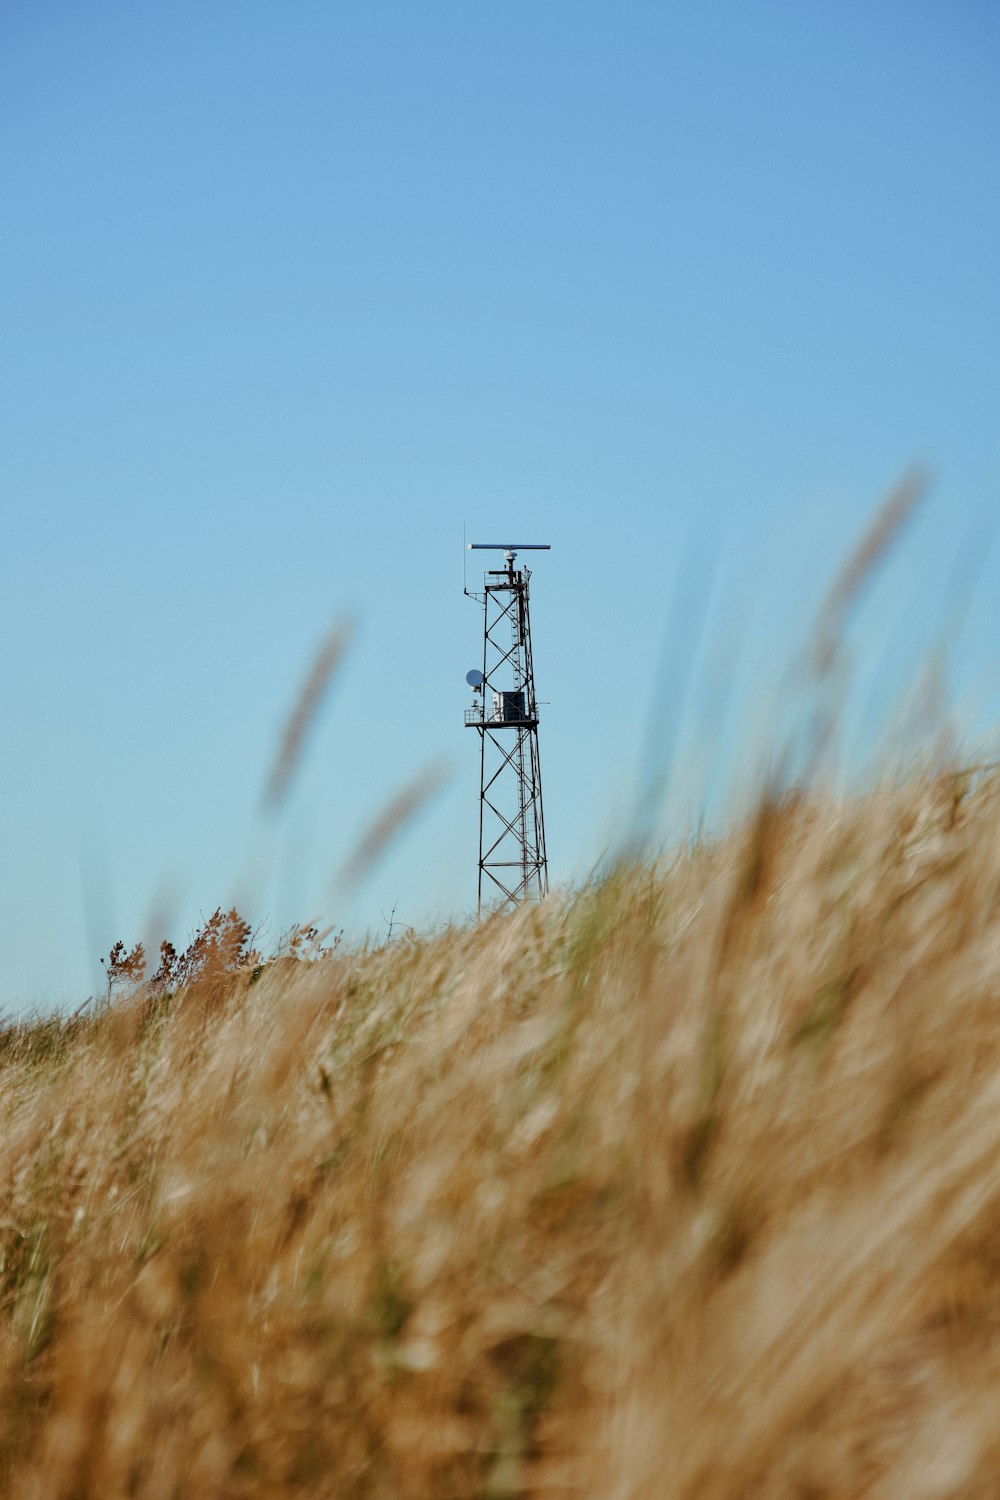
<point x="508" y="547"/>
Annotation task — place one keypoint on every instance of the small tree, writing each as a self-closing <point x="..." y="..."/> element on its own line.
<point x="123" y="968"/>
<point x="223" y="947"/>
<point x="221" y="950"/>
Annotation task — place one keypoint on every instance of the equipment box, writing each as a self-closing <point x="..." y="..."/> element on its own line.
<point x="508" y="707"/>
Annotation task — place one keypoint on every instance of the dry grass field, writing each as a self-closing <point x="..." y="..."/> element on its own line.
<point x="684" y="1185"/>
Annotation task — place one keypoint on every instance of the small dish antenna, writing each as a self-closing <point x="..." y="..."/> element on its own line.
<point x="474" y="679"/>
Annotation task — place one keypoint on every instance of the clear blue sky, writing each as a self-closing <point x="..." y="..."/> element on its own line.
<point x="291" y="292"/>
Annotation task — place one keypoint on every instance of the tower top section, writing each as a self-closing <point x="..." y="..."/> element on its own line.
<point x="509" y="549"/>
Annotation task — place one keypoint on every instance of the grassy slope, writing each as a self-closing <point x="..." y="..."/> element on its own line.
<point x="686" y="1186"/>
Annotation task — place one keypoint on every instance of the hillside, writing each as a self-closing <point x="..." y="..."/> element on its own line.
<point x="684" y="1185"/>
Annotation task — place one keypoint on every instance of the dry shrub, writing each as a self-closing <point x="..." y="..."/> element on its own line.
<point x="685" y="1185"/>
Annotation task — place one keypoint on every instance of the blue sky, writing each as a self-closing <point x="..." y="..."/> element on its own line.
<point x="292" y="292"/>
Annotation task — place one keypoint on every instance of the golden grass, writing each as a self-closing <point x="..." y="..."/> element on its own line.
<point x="686" y="1185"/>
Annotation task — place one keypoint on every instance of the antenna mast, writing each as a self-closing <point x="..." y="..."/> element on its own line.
<point x="512" y="859"/>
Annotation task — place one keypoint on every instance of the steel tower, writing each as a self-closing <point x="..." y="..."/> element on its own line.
<point x="512" y="860"/>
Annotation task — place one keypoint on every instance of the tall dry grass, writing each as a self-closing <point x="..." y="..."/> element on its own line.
<point x="686" y="1185"/>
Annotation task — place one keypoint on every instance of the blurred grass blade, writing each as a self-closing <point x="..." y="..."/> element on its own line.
<point x="391" y="822"/>
<point x="306" y="707"/>
<point x="885" y="527"/>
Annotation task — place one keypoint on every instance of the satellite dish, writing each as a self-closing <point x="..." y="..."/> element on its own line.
<point x="474" y="679"/>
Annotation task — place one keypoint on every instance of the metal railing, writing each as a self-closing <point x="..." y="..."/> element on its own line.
<point x="495" y="718"/>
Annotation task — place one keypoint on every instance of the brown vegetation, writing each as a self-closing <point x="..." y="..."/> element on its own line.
<point x="686" y="1185"/>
